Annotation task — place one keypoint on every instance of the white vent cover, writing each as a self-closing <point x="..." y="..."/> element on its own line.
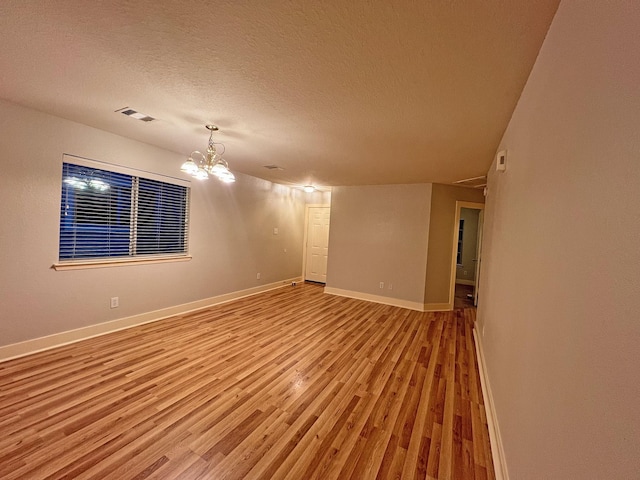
<point x="130" y="112"/>
<point x="474" y="182"/>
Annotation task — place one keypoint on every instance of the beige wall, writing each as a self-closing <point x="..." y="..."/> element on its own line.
<point x="442" y="225"/>
<point x="231" y="233"/>
<point x="318" y="198"/>
<point x="562" y="343"/>
<point x="467" y="269"/>
<point x="379" y="234"/>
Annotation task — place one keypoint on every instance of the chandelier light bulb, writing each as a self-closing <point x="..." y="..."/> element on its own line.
<point x="189" y="167"/>
<point x="219" y="169"/>
<point x="227" y="177"/>
<point x="201" y="174"/>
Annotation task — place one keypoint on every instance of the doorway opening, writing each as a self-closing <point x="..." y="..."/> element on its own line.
<point x="466" y="261"/>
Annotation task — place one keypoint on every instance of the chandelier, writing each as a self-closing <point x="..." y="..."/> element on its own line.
<point x="200" y="166"/>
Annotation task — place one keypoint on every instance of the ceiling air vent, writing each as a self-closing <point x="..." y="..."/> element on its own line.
<point x="273" y="167"/>
<point x="475" y="182"/>
<point x="134" y="114"/>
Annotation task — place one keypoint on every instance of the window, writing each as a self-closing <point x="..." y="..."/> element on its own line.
<point x="460" y="237"/>
<point x="110" y="212"/>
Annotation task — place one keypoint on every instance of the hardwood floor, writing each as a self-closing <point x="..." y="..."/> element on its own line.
<point x="290" y="383"/>
<point x="461" y="299"/>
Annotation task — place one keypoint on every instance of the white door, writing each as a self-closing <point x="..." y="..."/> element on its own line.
<point x="317" y="244"/>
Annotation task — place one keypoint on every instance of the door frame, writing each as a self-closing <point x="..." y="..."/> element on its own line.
<point x="307" y="208"/>
<point x="454" y="246"/>
<point x="478" y="257"/>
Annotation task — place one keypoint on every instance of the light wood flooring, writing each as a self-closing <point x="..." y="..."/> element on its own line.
<point x="290" y="383"/>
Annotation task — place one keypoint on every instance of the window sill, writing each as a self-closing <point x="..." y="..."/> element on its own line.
<point x="83" y="264"/>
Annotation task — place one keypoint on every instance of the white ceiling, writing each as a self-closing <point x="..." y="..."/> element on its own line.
<point x="336" y="92"/>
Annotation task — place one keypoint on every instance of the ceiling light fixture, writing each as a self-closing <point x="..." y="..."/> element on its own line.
<point x="210" y="164"/>
<point x="309" y="188"/>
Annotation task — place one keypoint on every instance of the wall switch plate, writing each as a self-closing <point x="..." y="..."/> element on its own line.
<point x="381" y="284"/>
<point x="275" y="230"/>
<point x="257" y="276"/>
<point x="115" y="302"/>
<point x="390" y="286"/>
<point x="501" y="161"/>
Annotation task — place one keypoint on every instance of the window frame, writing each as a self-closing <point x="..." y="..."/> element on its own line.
<point x="99" y="262"/>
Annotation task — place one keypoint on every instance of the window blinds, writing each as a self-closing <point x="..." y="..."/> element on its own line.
<point x="105" y="214"/>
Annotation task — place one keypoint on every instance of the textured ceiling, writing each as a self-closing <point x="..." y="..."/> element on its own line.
<point x="335" y="92"/>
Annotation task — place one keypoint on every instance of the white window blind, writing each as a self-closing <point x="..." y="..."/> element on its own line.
<point x="114" y="214"/>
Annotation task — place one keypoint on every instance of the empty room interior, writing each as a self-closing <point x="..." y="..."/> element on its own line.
<point x="329" y="240"/>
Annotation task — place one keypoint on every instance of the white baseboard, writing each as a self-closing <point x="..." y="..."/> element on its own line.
<point x="462" y="281"/>
<point x="497" y="450"/>
<point x="437" y="307"/>
<point x="21" y="349"/>
<point x="396" y="302"/>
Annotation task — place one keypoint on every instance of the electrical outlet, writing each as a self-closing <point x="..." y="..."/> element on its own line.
<point x="381" y="284"/>
<point x="390" y="286"/>
<point x="257" y="276"/>
<point x="115" y="302"/>
<point x="275" y="230"/>
<point x="465" y="272"/>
